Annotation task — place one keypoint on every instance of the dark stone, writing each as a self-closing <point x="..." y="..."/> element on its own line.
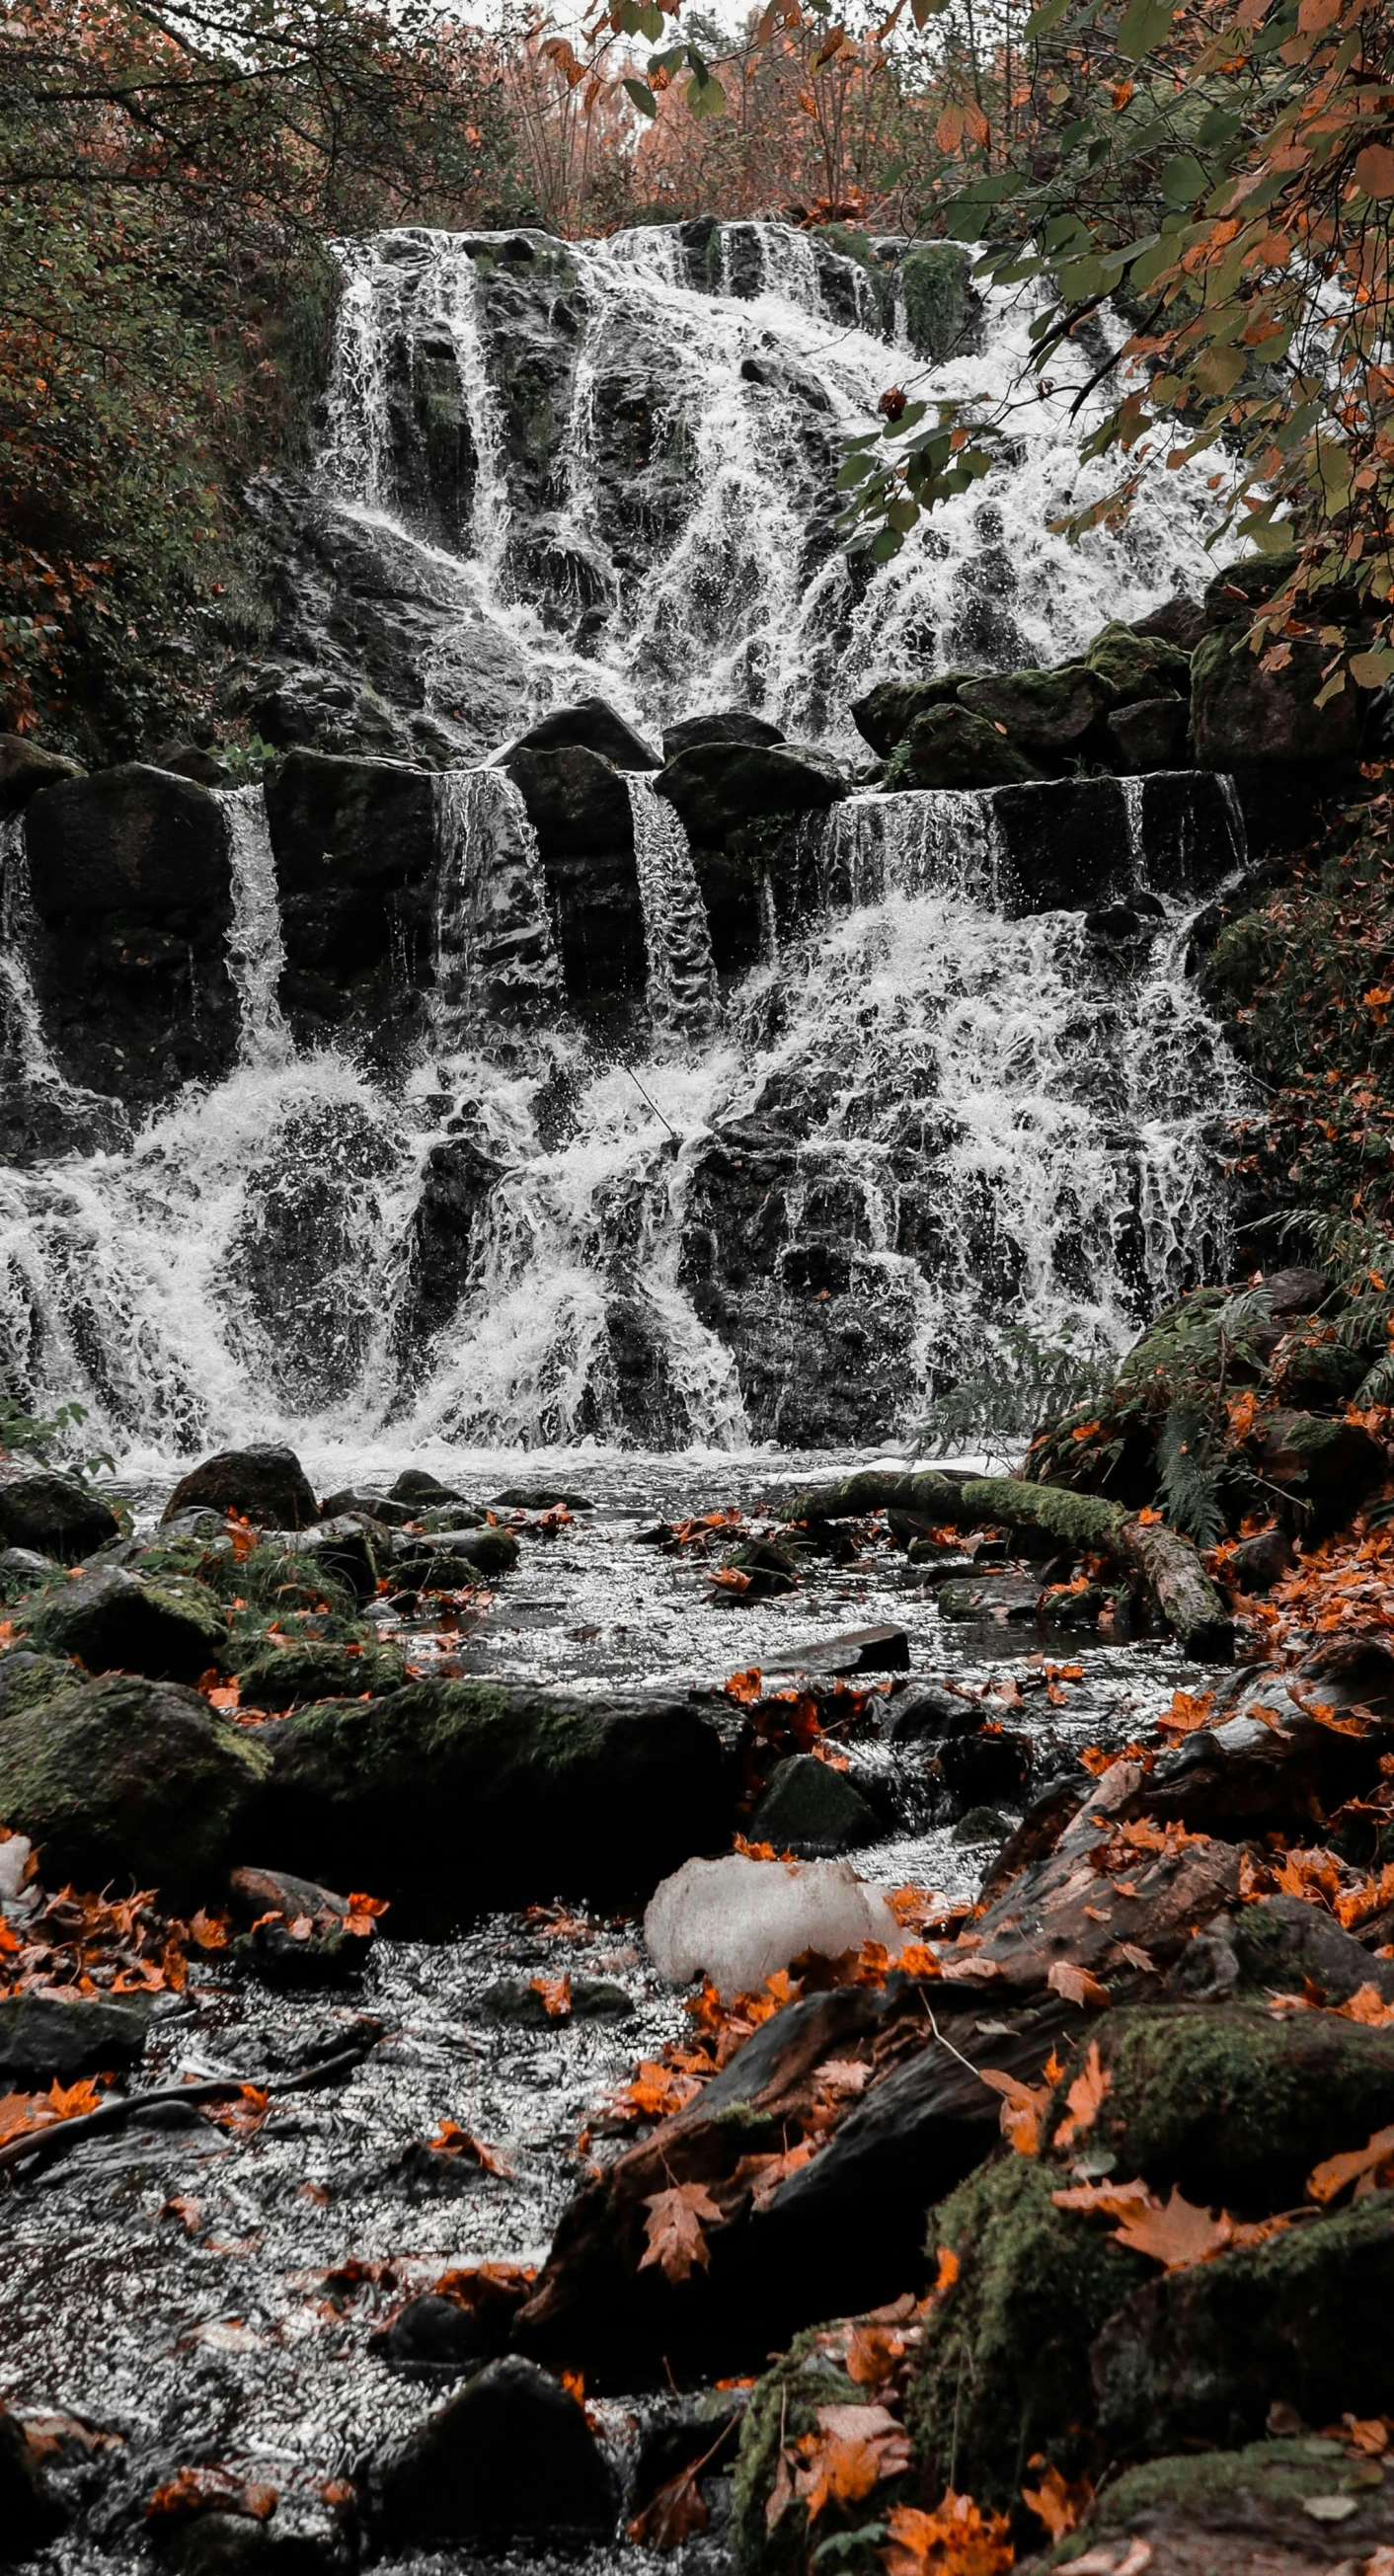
<point x="53" y="1514"/>
<point x="857" y="1650"/>
<point x="456" y="1185"/>
<point x="344" y="1547"/>
<point x="130" y="840"/>
<point x="20" y="1569"/>
<point x="377" y="1509"/>
<point x="1137" y="668"/>
<point x="294" y="1932"/>
<point x="810" y="1808"/>
<point x="276" y="1891"/>
<point x="1242" y="2511"/>
<point x="1328" y="1468"/>
<point x="1152" y="733"/>
<point x="443" y="1794"/>
<point x="188" y="760"/>
<point x="52" y="2039"/>
<point x="932" y="1709"/>
<point x="266" y="1485"/>
<point x="985" y="1769"/>
<point x="884" y="716"/>
<point x="171" y="1630"/>
<point x="355" y="847"/>
<point x="1179" y="621"/>
<point x="1258" y="1563"/>
<point x="511" y="1999"/>
<point x="1046" y="713"/>
<point x="716" y="786"/>
<point x="118" y="1779"/>
<point x="238" y="2544"/>
<point x="418" y="1485"/>
<point x="1201" y="2355"/>
<point x="511" y="2453"/>
<point x="951" y="746"/>
<point x="578" y="805"/>
<point x="538" y="1498"/>
<point x="1241" y="712"/>
<point x="1296" y="1291"/>
<point x="1068" y="847"/>
<point x="593" y="726"/>
<point x="435" y="2335"/>
<point x="733" y="727"/>
<point x="25" y="767"/>
<point x="29" y="2513"/>
<point x="307" y="1669"/>
<point x="447" y="1558"/>
<point x="980" y="1825"/>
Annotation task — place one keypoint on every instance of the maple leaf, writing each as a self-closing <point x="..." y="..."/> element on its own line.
<point x="873" y="2353"/>
<point x="556" y="1996"/>
<point x="1083" y="2100"/>
<point x="1076" y="1985"/>
<point x="957" y="2539"/>
<point x="1367" y="2005"/>
<point x="451" y="2140"/>
<point x="1022" y="2106"/>
<point x="673" y="2515"/>
<point x="209" y="1931"/>
<point x="656" y="2091"/>
<point x="1058" y="2502"/>
<point x="766" y="2173"/>
<point x="743" y="1687"/>
<point x="674" y="2229"/>
<point x="854" y="2448"/>
<point x="1359" y="2165"/>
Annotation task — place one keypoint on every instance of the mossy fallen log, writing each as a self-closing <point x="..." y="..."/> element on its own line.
<point x="1168" y="1564"/>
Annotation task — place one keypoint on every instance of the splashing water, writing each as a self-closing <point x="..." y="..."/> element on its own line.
<point x="681" y="979"/>
<point x="256" y="950"/>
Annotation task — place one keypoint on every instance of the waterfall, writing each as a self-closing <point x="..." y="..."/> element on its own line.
<point x="256" y="952"/>
<point x="495" y="953"/>
<point x="24" y="1050"/>
<point x="681" y="979"/>
<point x="923" y="841"/>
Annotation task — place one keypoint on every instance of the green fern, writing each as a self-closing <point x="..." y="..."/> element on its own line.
<point x="1193" y="1470"/>
<point x="1023" y="1382"/>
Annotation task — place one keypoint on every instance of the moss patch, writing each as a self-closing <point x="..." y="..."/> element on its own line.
<point x="783" y="2405"/>
<point x="123" y="1779"/>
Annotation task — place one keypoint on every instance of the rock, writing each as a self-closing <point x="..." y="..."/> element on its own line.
<point x="25" y="767"/>
<point x="29" y="2513"/>
<point x="290" y="2543"/>
<point x="579" y="807"/>
<point x="884" y="716"/>
<point x="376" y="1510"/>
<point x="1243" y="2511"/>
<point x="737" y="1920"/>
<point x="512" y="2453"/>
<point x="1241" y="712"/>
<point x="170" y="1630"/>
<point x="980" y="1825"/>
<point x="1258" y="1563"/>
<point x="985" y="1769"/>
<point x="538" y="1498"/>
<point x="717" y="785"/>
<point x="267" y="1485"/>
<point x="1201" y="2355"/>
<point x="20" y="1569"/>
<point x="432" y="2336"/>
<point x="121" y="1779"/>
<point x="294" y="1932"/>
<point x="1002" y="2371"/>
<point x="454" y="1558"/>
<point x="951" y="746"/>
<point x="54" y="1515"/>
<point x="930" y="1571"/>
<point x="355" y="847"/>
<point x="1135" y="667"/>
<point x="1328" y="1468"/>
<point x="593" y="726"/>
<point x="1152" y="733"/>
<point x="342" y="1545"/>
<point x="417" y="1485"/>
<point x="281" y="1677"/>
<point x="1179" y="621"/>
<point x="27" y="1680"/>
<point x="933" y="1709"/>
<point x="457" y="1181"/>
<point x="1046" y="714"/>
<point x="511" y="1999"/>
<point x="810" y="1808"/>
<point x="857" y="1650"/>
<point x="1280" y="1946"/>
<point x="733" y="727"/>
<point x="52" y="2039"/>
<point x="132" y="839"/>
<point x="189" y="760"/>
<point x="444" y="1792"/>
<point x="1000" y="1594"/>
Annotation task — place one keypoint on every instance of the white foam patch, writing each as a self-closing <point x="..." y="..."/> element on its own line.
<point x="737" y="1921"/>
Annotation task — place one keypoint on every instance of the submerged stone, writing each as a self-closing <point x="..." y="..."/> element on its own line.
<point x="811" y="1808"/>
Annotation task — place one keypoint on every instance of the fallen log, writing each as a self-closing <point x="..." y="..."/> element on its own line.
<point x="44" y="2146"/>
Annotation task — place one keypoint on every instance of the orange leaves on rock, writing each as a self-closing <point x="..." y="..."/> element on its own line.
<point x="1174" y="2232"/>
<point x="674" y="2229"/>
<point x="766" y="2173"/>
<point x="555" y="1995"/>
<point x="84" y="1945"/>
<point x="957" y="2539"/>
<point x="1060" y="2503"/>
<point x="743" y="1687"/>
<point x="656" y="2091"/>
<point x="1022" y="2109"/>
<point x="21" y="2113"/>
<point x="851" y="2451"/>
<point x="1084" y="2098"/>
<point x="874" y="2352"/>
<point x="1188" y="1711"/>
<point x="1362" y="2166"/>
<point x="208" y="1931"/>
<point x="211" y="2490"/>
<point x="1076" y="1985"/>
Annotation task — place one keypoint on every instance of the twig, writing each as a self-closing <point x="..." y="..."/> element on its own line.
<point x="63" y="2135"/>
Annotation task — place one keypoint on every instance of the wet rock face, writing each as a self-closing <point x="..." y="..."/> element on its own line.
<point x="130" y="877"/>
<point x="25" y="767"/>
<point x="118" y="1776"/>
<point x="355" y="848"/>
<point x="1241" y="712"/>
<point x="118" y="1622"/>
<point x="578" y="806"/>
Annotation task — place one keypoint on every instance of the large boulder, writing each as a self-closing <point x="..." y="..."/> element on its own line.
<point x="732" y="726"/>
<point x="53" y="1514"/>
<point x="595" y="727"/>
<point x="266" y="1485"/>
<point x="25" y="767"/>
<point x="1046" y="714"/>
<point x="169" y="1629"/>
<point x="1327" y="1468"/>
<point x="445" y="1792"/>
<point x="118" y="1779"/>
<point x="1134" y="666"/>
<point x="578" y="805"/>
<point x="1241" y="711"/>
<point x="950" y="746"/>
<point x="1149" y="734"/>
<point x="884" y="716"/>
<point x="133" y="839"/>
<point x="1200" y="2356"/>
<point x="1256" y="2512"/>
<point x="716" y="786"/>
<point x="512" y="2453"/>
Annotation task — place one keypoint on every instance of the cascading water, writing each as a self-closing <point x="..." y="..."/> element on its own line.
<point x="779" y="1206"/>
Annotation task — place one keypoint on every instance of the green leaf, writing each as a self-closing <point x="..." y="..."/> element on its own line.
<point x="706" y="97"/>
<point x="886" y="544"/>
<point x="1145" y="23"/>
<point x="853" y="472"/>
<point x="651" y="21"/>
<point x="1041" y="20"/>
<point x="643" y="97"/>
<point x="1371" y="670"/>
<point x="1183" y="180"/>
<point x="902" y="514"/>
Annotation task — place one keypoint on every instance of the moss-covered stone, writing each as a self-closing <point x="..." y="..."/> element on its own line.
<point x="937" y="295"/>
<point x="1133" y="667"/>
<point x="281" y="1676"/>
<point x="1200" y="2356"/>
<point x="281" y="1580"/>
<point x="1243" y="958"/>
<point x="1241" y="712"/>
<point x="1046" y="713"/>
<point x="27" y="1680"/>
<point x="884" y="716"/>
<point x="1002" y="2371"/>
<point x="1230" y="2104"/>
<point x="783" y="2406"/>
<point x="169" y="1629"/>
<point x="952" y="746"/>
<point x="123" y="1778"/>
<point x="1244" y="2491"/>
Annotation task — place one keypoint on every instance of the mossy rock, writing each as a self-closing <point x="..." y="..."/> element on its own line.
<point x="1241" y="711"/>
<point x="1046" y="713"/>
<point x="850" y="243"/>
<point x="1200" y="2356"/>
<point x="1246" y="954"/>
<point x="938" y="298"/>
<point x="169" y="1629"/>
<point x="1229" y="2104"/>
<point x="783" y="2406"/>
<point x="281" y="1676"/>
<point x="121" y="1779"/>
<point x="884" y="716"/>
<point x="1251" y="2492"/>
<point x="282" y="1580"/>
<point x="951" y="746"/>
<point x="1002" y="2371"/>
<point x="28" y="1679"/>
<point x="1133" y="667"/>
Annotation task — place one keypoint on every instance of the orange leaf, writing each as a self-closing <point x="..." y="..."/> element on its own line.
<point x="854" y="2448"/>
<point x="743" y="1687"/>
<point x="672" y="2516"/>
<point x="1175" y="2236"/>
<point x="451" y="2140"/>
<point x="1374" y="168"/>
<point x="1084" y="2098"/>
<point x="1076" y="1985"/>
<point x="1327" y="2179"/>
<point x="766" y="2173"/>
<point x="556" y="1996"/>
<point x="872" y="2354"/>
<point x="674" y="2229"/>
<point x="209" y="1931"/>
<point x="957" y="2539"/>
<point x="1059" y="2504"/>
<point x="1022" y="2105"/>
